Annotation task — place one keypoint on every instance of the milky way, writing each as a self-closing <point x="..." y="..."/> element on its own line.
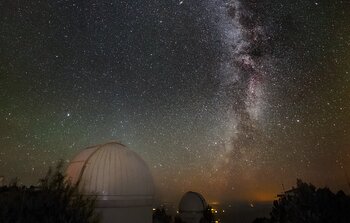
<point x="229" y="98"/>
<point x="244" y="61"/>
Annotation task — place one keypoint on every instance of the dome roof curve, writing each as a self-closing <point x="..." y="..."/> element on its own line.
<point x="192" y="202"/>
<point x="113" y="173"/>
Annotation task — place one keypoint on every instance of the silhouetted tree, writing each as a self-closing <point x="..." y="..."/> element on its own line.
<point x="160" y="216"/>
<point x="306" y="204"/>
<point x="53" y="201"/>
<point x="208" y="215"/>
<point x="261" y="220"/>
<point x="177" y="219"/>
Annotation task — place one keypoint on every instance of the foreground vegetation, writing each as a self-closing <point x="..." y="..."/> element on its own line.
<point x="306" y="204"/>
<point x="52" y="201"/>
<point x="56" y="201"/>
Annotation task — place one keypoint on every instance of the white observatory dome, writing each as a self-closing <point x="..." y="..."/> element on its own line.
<point x="192" y="202"/>
<point x="117" y="175"/>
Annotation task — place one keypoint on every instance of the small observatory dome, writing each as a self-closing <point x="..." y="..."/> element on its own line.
<point x="192" y="207"/>
<point x="192" y="202"/>
<point x="119" y="178"/>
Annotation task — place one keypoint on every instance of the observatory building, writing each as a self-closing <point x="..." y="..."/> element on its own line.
<point x="192" y="207"/>
<point x="119" y="178"/>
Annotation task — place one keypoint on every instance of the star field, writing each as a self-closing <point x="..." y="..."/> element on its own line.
<point x="229" y="98"/>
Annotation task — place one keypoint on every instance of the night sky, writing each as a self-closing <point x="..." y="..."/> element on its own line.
<point x="229" y="98"/>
